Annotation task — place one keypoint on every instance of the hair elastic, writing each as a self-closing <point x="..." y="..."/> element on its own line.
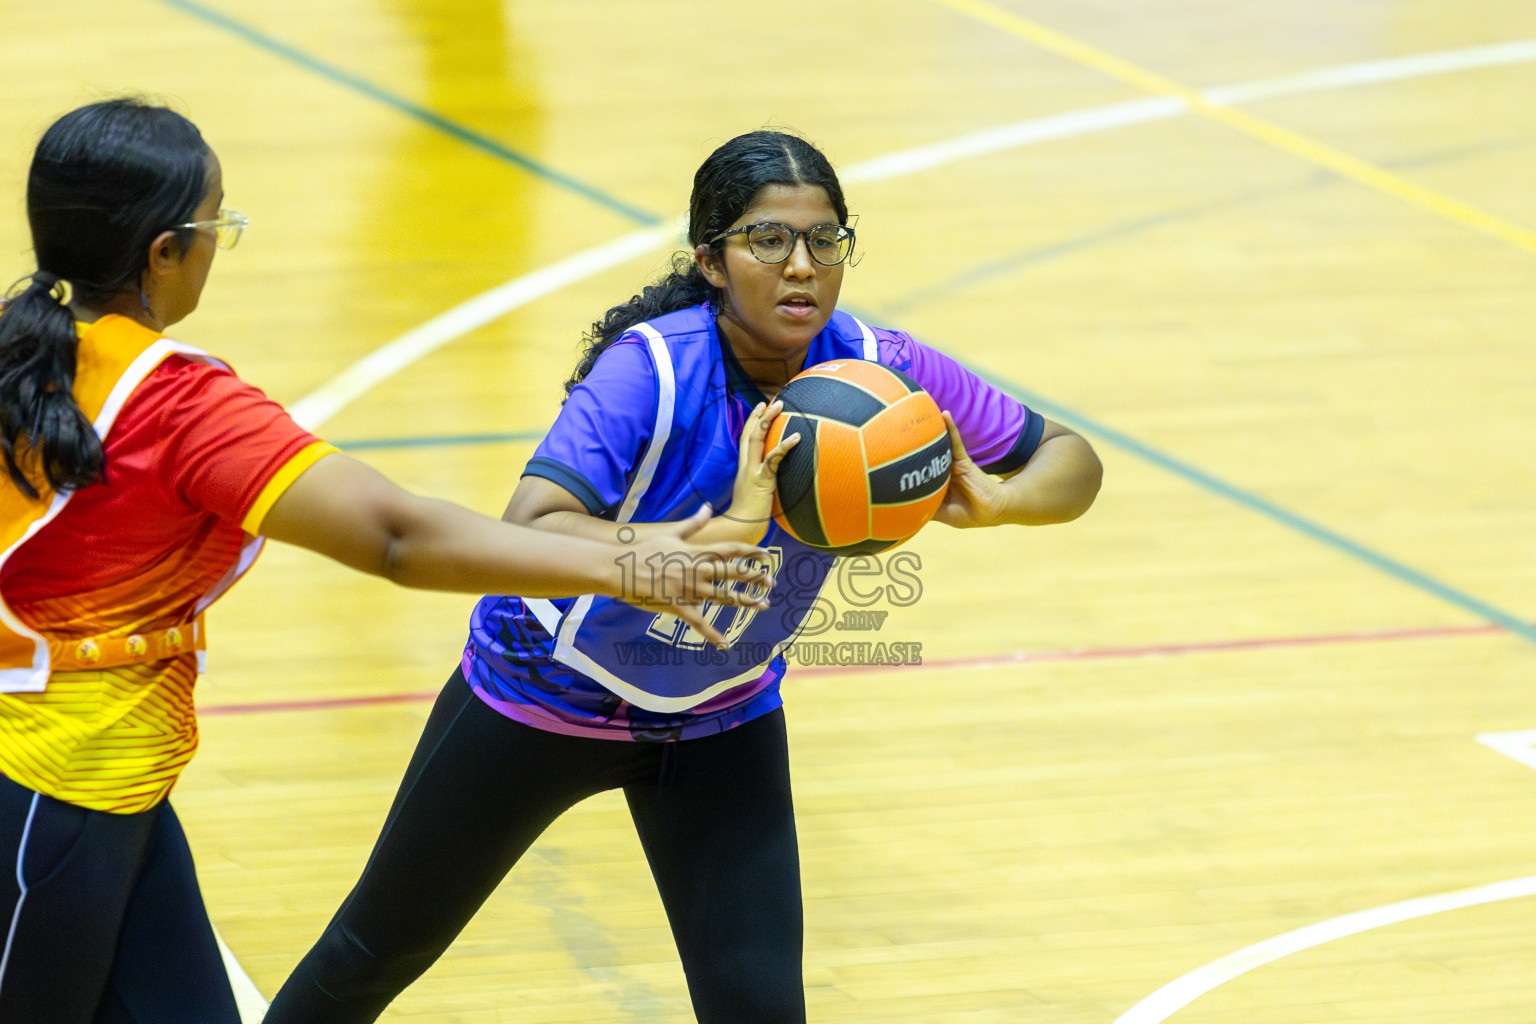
<point x="54" y="285"/>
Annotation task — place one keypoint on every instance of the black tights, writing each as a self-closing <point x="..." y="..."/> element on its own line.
<point x="102" y="920"/>
<point x="713" y="814"/>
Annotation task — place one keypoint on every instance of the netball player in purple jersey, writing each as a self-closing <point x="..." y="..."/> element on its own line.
<point x="554" y="701"/>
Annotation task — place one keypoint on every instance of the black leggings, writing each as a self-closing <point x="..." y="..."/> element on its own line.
<point x="102" y="919"/>
<point x="713" y="814"/>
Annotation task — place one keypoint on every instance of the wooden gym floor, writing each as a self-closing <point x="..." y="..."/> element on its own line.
<point x="1276" y="260"/>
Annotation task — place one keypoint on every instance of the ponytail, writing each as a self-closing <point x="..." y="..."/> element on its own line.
<point x="44" y="436"/>
<point x="685" y="286"/>
<point x="105" y="181"/>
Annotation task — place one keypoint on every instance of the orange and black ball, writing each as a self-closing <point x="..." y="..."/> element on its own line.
<point x="872" y="464"/>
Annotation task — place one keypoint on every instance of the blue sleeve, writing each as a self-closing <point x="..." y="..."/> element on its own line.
<point x="600" y="436"/>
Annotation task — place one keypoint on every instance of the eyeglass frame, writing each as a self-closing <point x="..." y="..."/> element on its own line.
<point x="794" y="242"/>
<point x="225" y="219"/>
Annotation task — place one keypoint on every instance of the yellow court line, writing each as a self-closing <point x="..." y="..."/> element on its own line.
<point x="1311" y="150"/>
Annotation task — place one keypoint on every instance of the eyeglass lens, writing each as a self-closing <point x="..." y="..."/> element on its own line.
<point x="228" y="228"/>
<point x="828" y="244"/>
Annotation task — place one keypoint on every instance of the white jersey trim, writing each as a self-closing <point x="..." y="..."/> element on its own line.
<point x="871" y="345"/>
<point x="661" y="433"/>
<point x="650" y="701"/>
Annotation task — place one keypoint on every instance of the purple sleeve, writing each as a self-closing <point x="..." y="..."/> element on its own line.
<point x="601" y="433"/>
<point x="999" y="432"/>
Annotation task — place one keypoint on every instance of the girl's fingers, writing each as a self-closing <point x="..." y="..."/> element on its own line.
<point x="771" y="463"/>
<point x="754" y="435"/>
<point x="785" y="444"/>
<point x="956" y="444"/>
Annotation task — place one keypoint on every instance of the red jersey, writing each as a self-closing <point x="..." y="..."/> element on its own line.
<point x="194" y="460"/>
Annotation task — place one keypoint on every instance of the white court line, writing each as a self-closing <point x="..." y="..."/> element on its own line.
<point x="1011" y="136"/>
<point x="247" y="997"/>
<point x="1519" y="745"/>
<point x="1118" y="115"/>
<point x="1392" y="69"/>
<point x="1177" y="994"/>
<point x="315" y="408"/>
<point x="382" y="363"/>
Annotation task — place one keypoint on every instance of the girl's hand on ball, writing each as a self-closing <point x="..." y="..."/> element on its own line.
<point x="757" y="470"/>
<point x="973" y="498"/>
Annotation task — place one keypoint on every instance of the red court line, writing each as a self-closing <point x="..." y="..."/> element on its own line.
<point x="978" y="661"/>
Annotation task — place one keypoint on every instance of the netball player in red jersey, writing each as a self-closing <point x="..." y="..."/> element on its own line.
<point x="140" y="477"/>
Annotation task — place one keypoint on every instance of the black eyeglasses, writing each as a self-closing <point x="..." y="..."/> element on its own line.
<point x="828" y="244"/>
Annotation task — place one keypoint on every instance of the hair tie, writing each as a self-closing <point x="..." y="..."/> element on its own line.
<point x="53" y="284"/>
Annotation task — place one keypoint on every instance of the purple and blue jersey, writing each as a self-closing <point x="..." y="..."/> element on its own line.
<point x="648" y="436"/>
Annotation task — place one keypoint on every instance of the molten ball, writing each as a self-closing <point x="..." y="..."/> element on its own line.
<point x="872" y="463"/>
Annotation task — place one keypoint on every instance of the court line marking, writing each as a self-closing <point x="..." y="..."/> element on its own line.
<point x="1520" y="744"/>
<point x="1119" y="231"/>
<point x="980" y="661"/>
<point x="317" y="407"/>
<point x="1120" y="115"/>
<point x="1180" y="992"/>
<point x="1174" y="99"/>
<point x="1294" y="143"/>
<point x="1374" y="72"/>
<point x="1400" y="571"/>
<point x="248" y="998"/>
<point x="1171" y="997"/>
<point x="441" y="440"/>
<point x="357" y="83"/>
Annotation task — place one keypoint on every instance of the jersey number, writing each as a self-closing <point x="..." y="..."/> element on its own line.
<point x="675" y="631"/>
